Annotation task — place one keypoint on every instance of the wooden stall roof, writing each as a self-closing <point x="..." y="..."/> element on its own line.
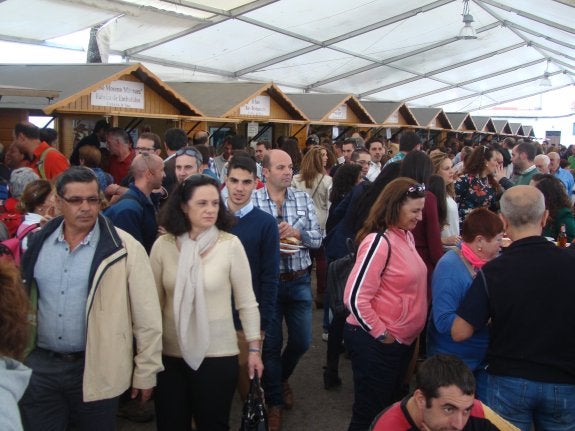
<point x="73" y="81"/>
<point x="516" y="129"/>
<point x="433" y="118"/>
<point x="502" y="127"/>
<point x="528" y="131"/>
<point x="319" y="107"/>
<point x="385" y="113"/>
<point x="484" y="124"/>
<point x="222" y="100"/>
<point x="461" y="121"/>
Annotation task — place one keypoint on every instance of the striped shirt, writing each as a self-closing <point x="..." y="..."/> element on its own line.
<point x="299" y="211"/>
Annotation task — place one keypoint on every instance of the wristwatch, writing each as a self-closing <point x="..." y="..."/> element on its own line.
<point x="383" y="336"/>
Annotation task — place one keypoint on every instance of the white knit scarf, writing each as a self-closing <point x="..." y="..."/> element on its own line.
<point x="190" y="312"/>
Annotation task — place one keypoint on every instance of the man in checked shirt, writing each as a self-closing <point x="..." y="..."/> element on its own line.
<point x="296" y="216"/>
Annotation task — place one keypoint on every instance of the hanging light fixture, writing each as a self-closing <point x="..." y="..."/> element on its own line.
<point x="467" y="31"/>
<point x="545" y="81"/>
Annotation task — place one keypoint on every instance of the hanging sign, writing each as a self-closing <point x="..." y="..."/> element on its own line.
<point x="339" y="114"/>
<point x="258" y="106"/>
<point x="119" y="94"/>
<point x="394" y="118"/>
<point x="253" y="129"/>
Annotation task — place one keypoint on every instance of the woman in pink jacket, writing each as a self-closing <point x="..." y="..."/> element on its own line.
<point x="386" y="296"/>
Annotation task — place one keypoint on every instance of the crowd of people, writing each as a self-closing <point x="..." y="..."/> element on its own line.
<point x="179" y="279"/>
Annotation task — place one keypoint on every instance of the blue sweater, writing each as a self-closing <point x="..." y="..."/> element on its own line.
<point x="135" y="214"/>
<point x="258" y="232"/>
<point x="450" y="283"/>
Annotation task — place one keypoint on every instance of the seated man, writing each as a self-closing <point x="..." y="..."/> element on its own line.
<point x="444" y="399"/>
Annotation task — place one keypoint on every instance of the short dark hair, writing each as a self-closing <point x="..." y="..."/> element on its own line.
<point x="152" y="137"/>
<point x="442" y="371"/>
<point x="48" y="135"/>
<point x="92" y="156"/>
<point x="266" y="144"/>
<point x="175" y="221"/>
<point x="371" y="141"/>
<point x="175" y="139"/>
<point x="408" y="141"/>
<point x="75" y="174"/>
<point x="357" y="152"/>
<point x="528" y="148"/>
<point x="238" y="142"/>
<point x="31" y="131"/>
<point x="119" y="133"/>
<point x="243" y="162"/>
<point x="101" y="124"/>
<point x="418" y="166"/>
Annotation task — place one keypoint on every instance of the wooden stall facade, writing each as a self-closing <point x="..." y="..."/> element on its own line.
<point x="326" y="111"/>
<point x="127" y="95"/>
<point x="257" y="111"/>
<point x="390" y="117"/>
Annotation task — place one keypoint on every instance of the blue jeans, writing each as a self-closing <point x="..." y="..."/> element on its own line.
<point x="53" y="399"/>
<point x="549" y="406"/>
<point x="294" y="304"/>
<point x="378" y="372"/>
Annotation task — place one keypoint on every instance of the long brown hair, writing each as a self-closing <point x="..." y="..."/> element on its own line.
<point x="437" y="159"/>
<point x="475" y="164"/>
<point x="385" y="211"/>
<point x="13" y="311"/>
<point x="311" y="165"/>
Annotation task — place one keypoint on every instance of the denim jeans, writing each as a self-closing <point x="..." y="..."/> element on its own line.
<point x="378" y="372"/>
<point x="549" y="406"/>
<point x="294" y="305"/>
<point x="53" y="399"/>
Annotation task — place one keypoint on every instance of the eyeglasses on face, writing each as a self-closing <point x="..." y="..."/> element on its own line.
<point x="144" y="149"/>
<point x="416" y="191"/>
<point x="77" y="201"/>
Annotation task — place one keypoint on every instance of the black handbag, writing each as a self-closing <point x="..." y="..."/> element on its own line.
<point x="254" y="415"/>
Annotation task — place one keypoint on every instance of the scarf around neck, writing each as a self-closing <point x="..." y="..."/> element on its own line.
<point x="190" y="314"/>
<point x="475" y="261"/>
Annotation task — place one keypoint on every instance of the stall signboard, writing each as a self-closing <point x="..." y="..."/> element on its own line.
<point x="119" y="94"/>
<point x="259" y="106"/>
<point x="253" y="129"/>
<point x="340" y="113"/>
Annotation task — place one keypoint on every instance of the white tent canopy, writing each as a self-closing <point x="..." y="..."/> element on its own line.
<point x="393" y="50"/>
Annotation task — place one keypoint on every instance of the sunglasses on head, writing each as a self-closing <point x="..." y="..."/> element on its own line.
<point x="192" y="152"/>
<point x="416" y="191"/>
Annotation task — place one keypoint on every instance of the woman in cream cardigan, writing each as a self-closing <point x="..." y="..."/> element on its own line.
<point x="198" y="267"/>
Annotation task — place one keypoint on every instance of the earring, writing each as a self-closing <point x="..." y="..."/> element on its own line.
<point x="479" y="248"/>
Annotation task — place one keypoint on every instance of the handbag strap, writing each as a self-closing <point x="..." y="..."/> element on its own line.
<point x="316" y="186"/>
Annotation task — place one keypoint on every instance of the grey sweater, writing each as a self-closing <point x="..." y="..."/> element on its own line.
<point x="14" y="378"/>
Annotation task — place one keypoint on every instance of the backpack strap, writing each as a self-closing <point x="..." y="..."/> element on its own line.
<point x="27" y="230"/>
<point x="40" y="164"/>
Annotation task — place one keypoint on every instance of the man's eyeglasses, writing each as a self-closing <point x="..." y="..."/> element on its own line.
<point x="188" y="151"/>
<point x="416" y="191"/>
<point x="77" y="201"/>
<point x="144" y="150"/>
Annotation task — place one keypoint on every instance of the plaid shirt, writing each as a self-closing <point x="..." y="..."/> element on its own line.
<point x="298" y="210"/>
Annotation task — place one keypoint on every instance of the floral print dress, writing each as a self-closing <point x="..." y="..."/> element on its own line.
<point x="473" y="192"/>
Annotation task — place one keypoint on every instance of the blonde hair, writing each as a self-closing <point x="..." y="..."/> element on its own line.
<point x="437" y="159"/>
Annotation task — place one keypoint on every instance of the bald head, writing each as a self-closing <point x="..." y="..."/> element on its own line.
<point x="273" y="156"/>
<point x="278" y="170"/>
<point x="523" y="207"/>
<point x="143" y="162"/>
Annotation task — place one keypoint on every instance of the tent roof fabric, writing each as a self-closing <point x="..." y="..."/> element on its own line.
<point x="74" y="80"/>
<point x="386" y="50"/>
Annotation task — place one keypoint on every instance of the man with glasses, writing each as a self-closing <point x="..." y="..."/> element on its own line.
<point x="362" y="158"/>
<point x="95" y="294"/>
<point x="135" y="212"/>
<point x="148" y="143"/>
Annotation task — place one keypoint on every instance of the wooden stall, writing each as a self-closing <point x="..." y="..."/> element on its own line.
<point x="485" y="128"/>
<point x="502" y="128"/>
<point x="257" y="111"/>
<point x="390" y="117"/>
<point x="127" y="95"/>
<point x="333" y="115"/>
<point x="516" y="130"/>
<point x="432" y="125"/>
<point x="528" y="132"/>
